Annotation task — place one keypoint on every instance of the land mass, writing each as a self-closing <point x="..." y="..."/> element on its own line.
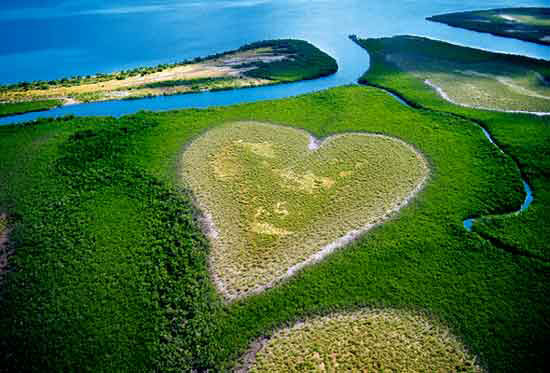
<point x="117" y="268"/>
<point x="529" y="24"/>
<point x="112" y="272"/>
<point x="256" y="64"/>
<point x="399" y="65"/>
<point x="469" y="77"/>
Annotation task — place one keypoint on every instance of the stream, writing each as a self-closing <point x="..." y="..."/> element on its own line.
<point x="468" y="223"/>
<point x="91" y="36"/>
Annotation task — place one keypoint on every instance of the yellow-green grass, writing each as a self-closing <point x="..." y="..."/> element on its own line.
<point x="490" y="84"/>
<point x="371" y="340"/>
<point x="261" y="63"/>
<point x="275" y="199"/>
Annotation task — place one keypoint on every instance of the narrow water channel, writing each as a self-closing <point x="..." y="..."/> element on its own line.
<point x="468" y="223"/>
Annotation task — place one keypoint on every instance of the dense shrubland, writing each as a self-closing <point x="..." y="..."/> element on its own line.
<point x="111" y="267"/>
<point x="307" y="62"/>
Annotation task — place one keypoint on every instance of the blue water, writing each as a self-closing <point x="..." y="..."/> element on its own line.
<point x="469" y="223"/>
<point x="529" y="198"/>
<point x="56" y="38"/>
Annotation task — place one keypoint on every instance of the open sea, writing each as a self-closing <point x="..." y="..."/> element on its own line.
<point x="54" y="38"/>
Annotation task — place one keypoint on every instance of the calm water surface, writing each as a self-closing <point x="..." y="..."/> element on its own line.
<point x="52" y="39"/>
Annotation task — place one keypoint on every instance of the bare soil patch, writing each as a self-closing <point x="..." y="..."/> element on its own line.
<point x="229" y="66"/>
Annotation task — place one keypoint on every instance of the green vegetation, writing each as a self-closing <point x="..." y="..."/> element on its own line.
<point x="306" y="62"/>
<point x="529" y="24"/>
<point x="365" y="341"/>
<point x="525" y="138"/>
<point x="261" y="63"/>
<point x="112" y="271"/>
<point x="290" y="202"/>
<point x="14" y="108"/>
<point x="5" y="252"/>
<point x="183" y="82"/>
<point x="88" y="96"/>
<point x="470" y="77"/>
<point x="113" y="259"/>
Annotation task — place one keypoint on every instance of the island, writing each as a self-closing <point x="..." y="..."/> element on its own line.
<point x="528" y="24"/>
<point x="256" y="64"/>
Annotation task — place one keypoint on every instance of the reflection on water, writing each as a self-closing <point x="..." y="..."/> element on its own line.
<point x="98" y="36"/>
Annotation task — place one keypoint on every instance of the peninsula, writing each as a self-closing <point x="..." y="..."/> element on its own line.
<point x="528" y="24"/>
<point x="261" y="63"/>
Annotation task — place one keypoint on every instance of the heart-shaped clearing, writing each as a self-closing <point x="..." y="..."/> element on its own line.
<point x="271" y="206"/>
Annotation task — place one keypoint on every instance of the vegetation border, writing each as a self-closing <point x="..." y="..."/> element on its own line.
<point x="209" y="228"/>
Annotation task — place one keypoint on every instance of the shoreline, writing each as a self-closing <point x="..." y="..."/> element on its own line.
<point x="258" y="64"/>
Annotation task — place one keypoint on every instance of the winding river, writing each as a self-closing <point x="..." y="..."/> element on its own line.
<point x="468" y="223"/>
<point x="97" y="36"/>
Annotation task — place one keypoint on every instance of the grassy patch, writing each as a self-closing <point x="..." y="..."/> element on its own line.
<point x="145" y="300"/>
<point x="273" y="203"/>
<point x="368" y="340"/>
<point x="183" y="82"/>
<point x="14" y="108"/>
<point x="470" y="77"/>
<point x="529" y="24"/>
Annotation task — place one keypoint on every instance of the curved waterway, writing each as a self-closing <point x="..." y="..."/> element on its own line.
<point x="468" y="223"/>
<point x="97" y="36"/>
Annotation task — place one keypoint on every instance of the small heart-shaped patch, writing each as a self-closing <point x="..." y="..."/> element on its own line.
<point x="274" y="199"/>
